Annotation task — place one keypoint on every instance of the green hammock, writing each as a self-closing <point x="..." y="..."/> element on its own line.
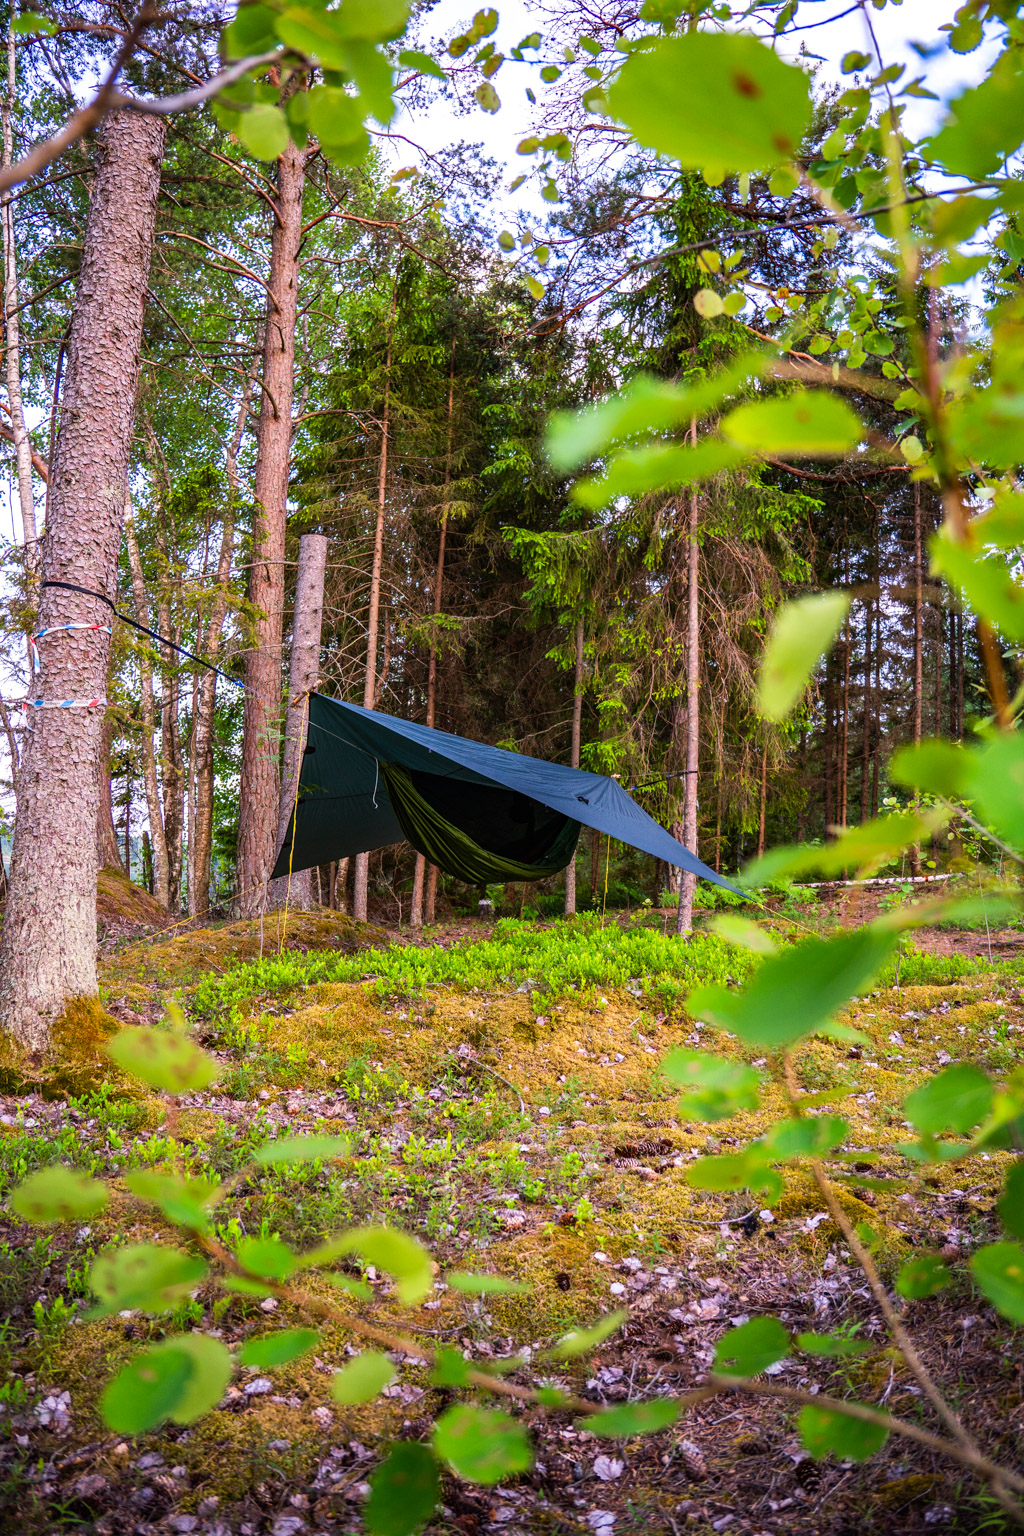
<point x="501" y="835"/>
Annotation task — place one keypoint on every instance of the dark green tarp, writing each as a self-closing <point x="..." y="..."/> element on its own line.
<point x="469" y="807"/>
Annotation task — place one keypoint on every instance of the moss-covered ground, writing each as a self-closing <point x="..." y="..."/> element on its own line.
<point x="504" y="1101"/>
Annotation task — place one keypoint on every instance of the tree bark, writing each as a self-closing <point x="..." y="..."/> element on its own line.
<point x="865" y="763"/>
<point x="48" y="943"/>
<point x="12" y="331"/>
<point x="200" y="847"/>
<point x="261" y="723"/>
<point x="303" y="676"/>
<point x="424" y="880"/>
<point x="762" y="798"/>
<point x="688" y="882"/>
<point x="108" y="854"/>
<point x="150" y="778"/>
<point x="574" y="760"/>
<point x="915" y="852"/>
<point x="362" y="860"/>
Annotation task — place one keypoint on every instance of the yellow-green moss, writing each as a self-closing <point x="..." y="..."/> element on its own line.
<point x="75" y="1061"/>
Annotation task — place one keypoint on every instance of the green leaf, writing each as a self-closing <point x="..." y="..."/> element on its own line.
<point x="864" y="848"/>
<point x="955" y="1099"/>
<point x="404" y="1491"/>
<point x="411" y="58"/>
<point x="744" y="932"/>
<point x="274" y="1349"/>
<point x="485" y="1285"/>
<point x="402" y="1256"/>
<point x="143" y="1277"/>
<point x="211" y="1372"/>
<point x="628" y="1419"/>
<point x="267" y="1257"/>
<point x="489" y="101"/>
<point x="252" y="31"/>
<point x="182" y="1201"/>
<point x="985" y="581"/>
<point x="57" y="1194"/>
<point x="985" y="123"/>
<point x="582" y="1340"/>
<point x="146" y="1392"/>
<point x="30" y="24"/>
<point x="940" y="767"/>
<point x="303" y="1149"/>
<point x="797" y="990"/>
<point x="264" y="131"/>
<point x="163" y="1060"/>
<point x="1011" y="1206"/>
<point x="662" y="466"/>
<point x="855" y="60"/>
<point x="451" y="1368"/>
<point x="923" y="1275"/>
<point x="751" y="1348"/>
<point x="736" y="1170"/>
<point x="832" y="1346"/>
<point x="708" y="303"/>
<point x="481" y="1445"/>
<point x="717" y="1088"/>
<point x="824" y="1432"/>
<point x="363" y="1379"/>
<point x="997" y="786"/>
<point x="645" y="405"/>
<point x="802" y="632"/>
<point x="811" y="1136"/>
<point x="336" y="119"/>
<point x="804" y="422"/>
<point x="743" y="108"/>
<point x="998" y="1271"/>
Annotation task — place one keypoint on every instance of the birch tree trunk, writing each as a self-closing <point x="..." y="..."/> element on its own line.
<point x="688" y="882"/>
<point x="48" y="942"/>
<point x="261" y="724"/>
<point x="362" y="860"/>
<point x="303" y="676"/>
<point x="574" y="760"/>
<point x="12" y="330"/>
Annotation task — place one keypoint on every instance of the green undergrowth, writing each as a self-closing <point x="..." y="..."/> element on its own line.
<point x="578" y="956"/>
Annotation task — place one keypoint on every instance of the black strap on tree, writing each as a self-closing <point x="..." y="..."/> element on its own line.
<point x="70" y="586"/>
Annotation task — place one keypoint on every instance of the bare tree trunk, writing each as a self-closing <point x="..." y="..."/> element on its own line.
<point x="48" y="942"/>
<point x="865" y="762"/>
<point x="844" y="744"/>
<point x="108" y="854"/>
<point x="762" y="798"/>
<point x="303" y="676"/>
<point x="12" y="327"/>
<point x="428" y="888"/>
<point x="876" y="696"/>
<point x="574" y="760"/>
<point x="261" y="726"/>
<point x="200" y="846"/>
<point x="828" y="751"/>
<point x="688" y="883"/>
<point x="362" y="864"/>
<point x="172" y="768"/>
<point x="154" y="804"/>
<point x="915" y="852"/>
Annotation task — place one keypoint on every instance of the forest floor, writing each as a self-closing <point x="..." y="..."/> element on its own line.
<point x="502" y="1092"/>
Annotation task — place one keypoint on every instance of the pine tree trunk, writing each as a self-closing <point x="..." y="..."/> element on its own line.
<point x="762" y="799"/>
<point x="261" y="723"/>
<point x="865" y="758"/>
<point x="12" y="331"/>
<point x="48" y="942"/>
<point x="200" y="846"/>
<point x="362" y="862"/>
<point x="108" y="854"/>
<point x="828" y="751"/>
<point x="303" y="676"/>
<point x="154" y="804"/>
<point x="574" y="760"/>
<point x="688" y="882"/>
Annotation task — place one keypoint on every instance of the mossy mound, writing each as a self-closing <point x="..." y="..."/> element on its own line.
<point x="123" y="907"/>
<point x="76" y="1062"/>
<point x="186" y="956"/>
